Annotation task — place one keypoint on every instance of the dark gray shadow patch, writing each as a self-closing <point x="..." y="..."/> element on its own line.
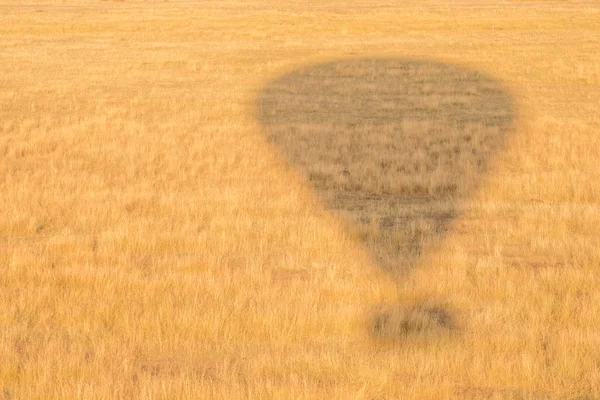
<point x="392" y="147"/>
<point x="391" y="323"/>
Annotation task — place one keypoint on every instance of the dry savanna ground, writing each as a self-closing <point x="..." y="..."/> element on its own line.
<point x="292" y="200"/>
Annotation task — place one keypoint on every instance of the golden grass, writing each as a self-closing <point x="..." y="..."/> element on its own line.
<point x="158" y="239"/>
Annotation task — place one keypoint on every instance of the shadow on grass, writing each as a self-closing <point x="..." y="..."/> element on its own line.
<point x="392" y="147"/>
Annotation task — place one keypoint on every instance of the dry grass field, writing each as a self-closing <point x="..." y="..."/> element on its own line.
<point x="293" y="200"/>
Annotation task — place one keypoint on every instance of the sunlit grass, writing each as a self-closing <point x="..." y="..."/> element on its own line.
<point x="157" y="242"/>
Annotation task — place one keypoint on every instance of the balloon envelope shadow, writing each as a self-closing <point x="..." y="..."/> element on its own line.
<point x="391" y="146"/>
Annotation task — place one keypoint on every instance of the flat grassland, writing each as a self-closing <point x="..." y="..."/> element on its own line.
<point x="283" y="199"/>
